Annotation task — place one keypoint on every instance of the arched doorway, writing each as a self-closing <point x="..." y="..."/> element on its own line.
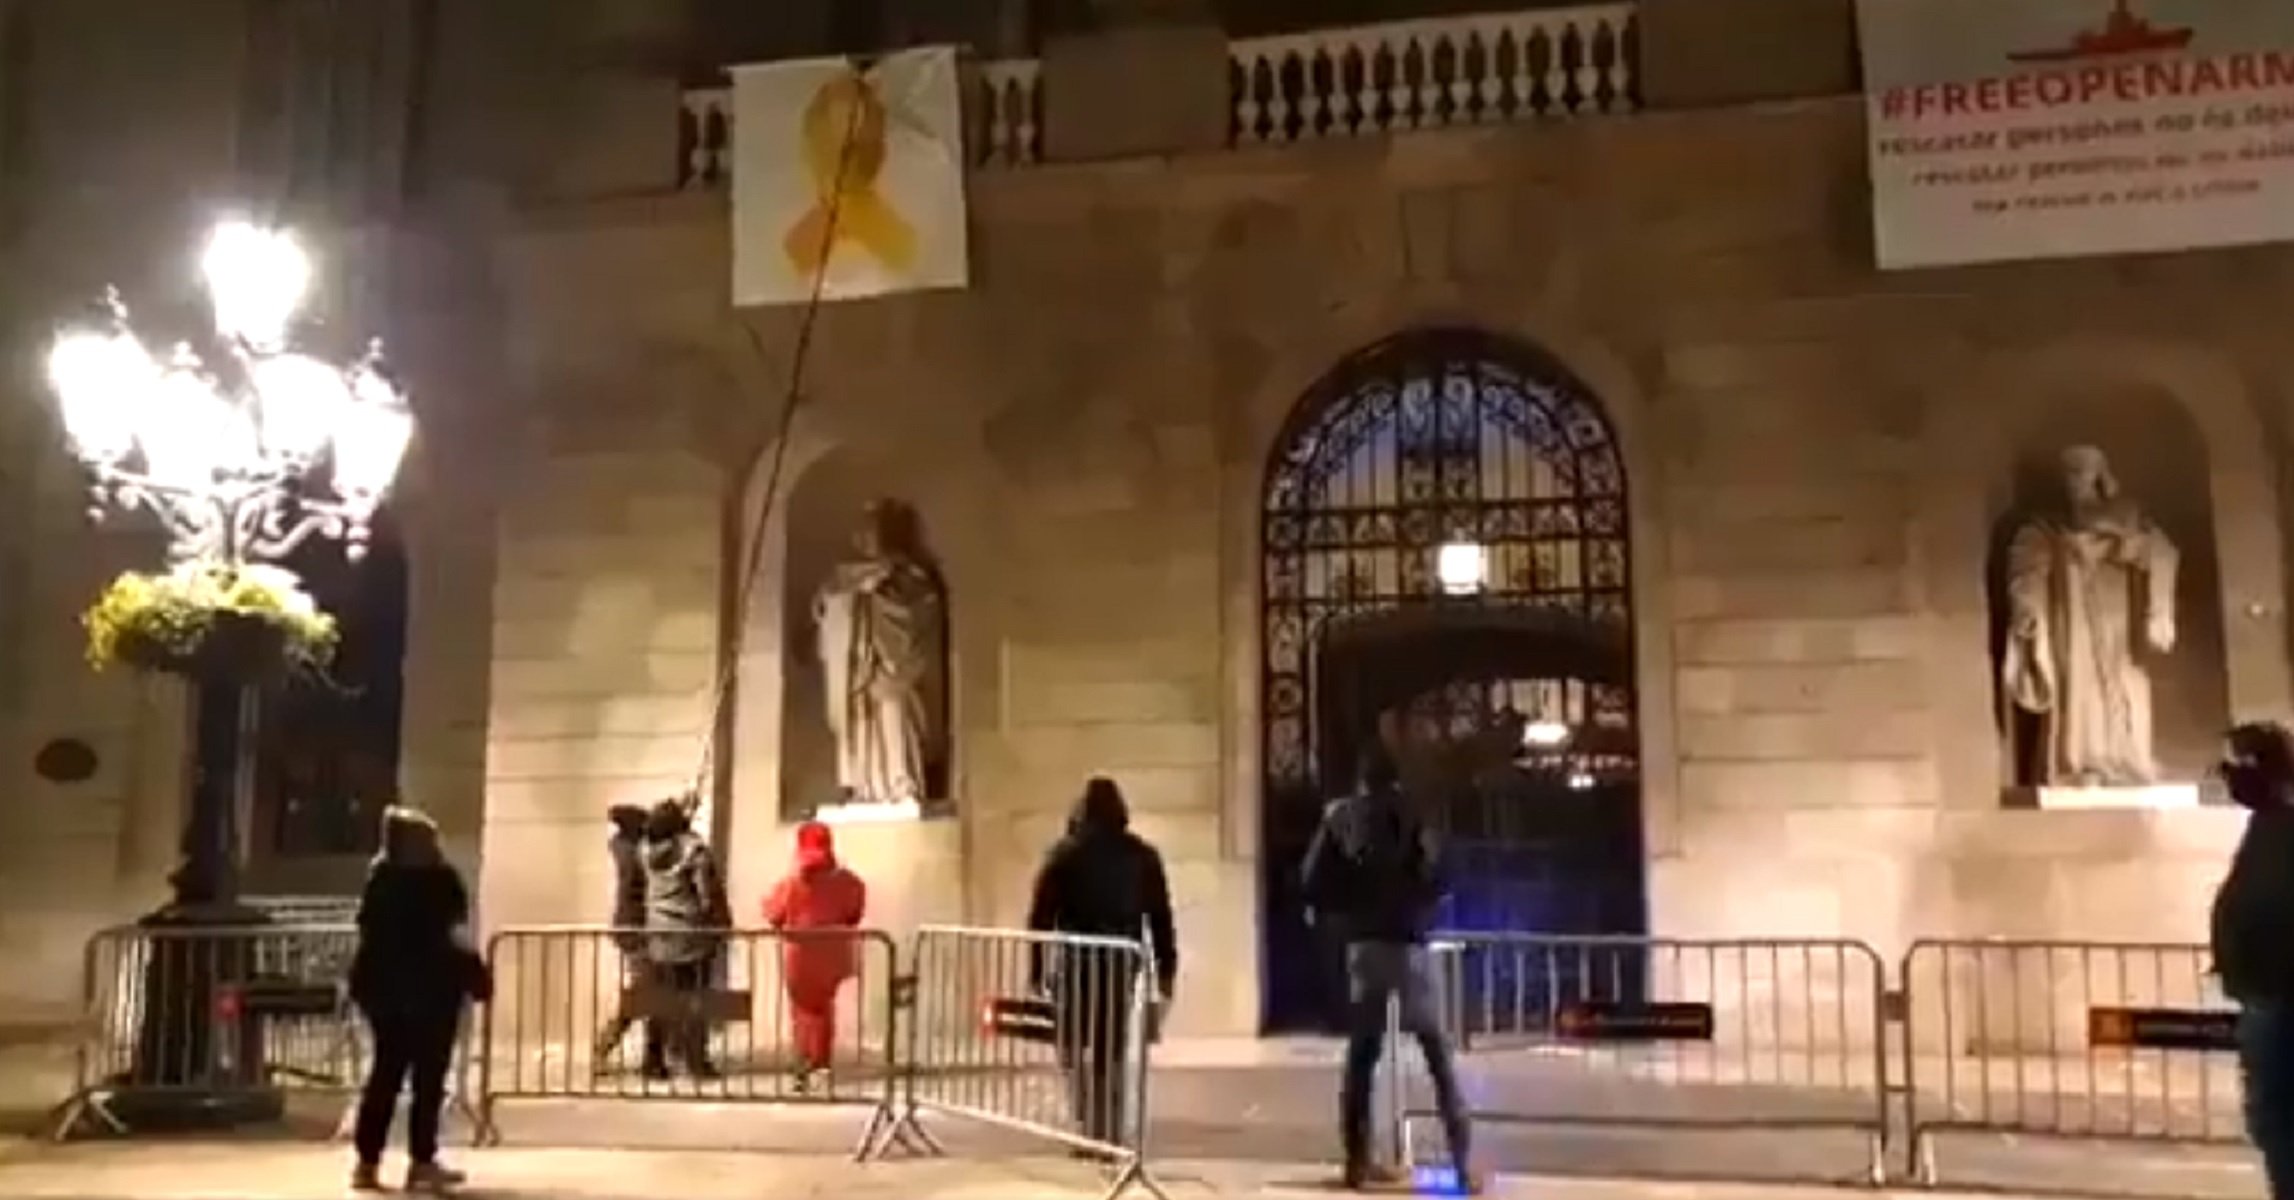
<point x="1445" y="569"/>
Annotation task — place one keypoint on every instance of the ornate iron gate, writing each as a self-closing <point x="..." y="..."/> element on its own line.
<point x="1445" y="556"/>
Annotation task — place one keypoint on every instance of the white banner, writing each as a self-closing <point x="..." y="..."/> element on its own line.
<point x="2013" y="129"/>
<point x="896" y="222"/>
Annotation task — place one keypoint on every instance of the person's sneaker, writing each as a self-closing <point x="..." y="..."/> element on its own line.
<point x="433" y="1178"/>
<point x="1363" y="1177"/>
<point x="1470" y="1182"/>
<point x="366" y="1177"/>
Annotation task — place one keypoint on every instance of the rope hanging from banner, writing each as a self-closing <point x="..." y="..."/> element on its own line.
<point x="774" y="454"/>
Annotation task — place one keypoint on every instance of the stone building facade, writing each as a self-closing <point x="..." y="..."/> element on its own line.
<point x="1816" y="458"/>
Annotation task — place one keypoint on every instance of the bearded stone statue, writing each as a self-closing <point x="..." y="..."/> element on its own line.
<point x="882" y="623"/>
<point x="2090" y="593"/>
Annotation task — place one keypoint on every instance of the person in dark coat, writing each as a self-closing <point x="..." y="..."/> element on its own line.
<point x="1374" y="873"/>
<point x="410" y="976"/>
<point x="686" y="915"/>
<point x="626" y="846"/>
<point x="1101" y="880"/>
<point x="2252" y="936"/>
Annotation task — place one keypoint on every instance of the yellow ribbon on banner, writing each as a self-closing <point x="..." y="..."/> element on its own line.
<point x="846" y="205"/>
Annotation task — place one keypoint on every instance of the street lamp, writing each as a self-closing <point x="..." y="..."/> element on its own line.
<point x="242" y="453"/>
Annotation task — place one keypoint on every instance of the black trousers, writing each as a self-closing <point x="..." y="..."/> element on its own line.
<point x="617" y="1026"/>
<point x="685" y="1037"/>
<point x="1094" y="1026"/>
<point x="2266" y="1066"/>
<point x="1380" y="974"/>
<point x="411" y="1044"/>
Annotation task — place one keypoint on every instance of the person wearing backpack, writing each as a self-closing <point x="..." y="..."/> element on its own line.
<point x="687" y="920"/>
<point x="1374" y="875"/>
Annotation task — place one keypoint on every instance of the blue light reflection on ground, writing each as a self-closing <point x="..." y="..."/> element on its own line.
<point x="1434" y="1181"/>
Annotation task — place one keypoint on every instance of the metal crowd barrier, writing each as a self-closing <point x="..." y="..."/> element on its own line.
<point x="1657" y="1033"/>
<point x="2065" y="1039"/>
<point x="599" y="1013"/>
<point x="1046" y="1035"/>
<point x="223" y="1019"/>
<point x="1050" y="1036"/>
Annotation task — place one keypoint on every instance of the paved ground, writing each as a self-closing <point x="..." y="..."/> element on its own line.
<point x="1273" y="1109"/>
<point x="146" y="1171"/>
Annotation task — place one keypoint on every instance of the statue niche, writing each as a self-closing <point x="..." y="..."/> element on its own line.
<point x="2087" y="598"/>
<point x="881" y="620"/>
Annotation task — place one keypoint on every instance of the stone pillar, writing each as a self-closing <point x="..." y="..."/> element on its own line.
<point x="1150" y="78"/>
<point x="615" y="121"/>
<point x="1013" y="37"/>
<point x="15" y="56"/>
<point x="1697" y="54"/>
<point x="327" y="107"/>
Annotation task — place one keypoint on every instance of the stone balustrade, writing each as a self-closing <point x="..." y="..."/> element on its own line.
<point x="1003" y="106"/>
<point x="1007" y="113"/>
<point x="1327" y="83"/>
<point x="704" y="138"/>
<point x="1405" y="75"/>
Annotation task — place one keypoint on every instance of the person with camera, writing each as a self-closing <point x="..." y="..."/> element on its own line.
<point x="412" y="974"/>
<point x="2253" y="940"/>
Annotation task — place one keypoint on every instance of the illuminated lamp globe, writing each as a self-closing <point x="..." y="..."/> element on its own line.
<point x="105" y="383"/>
<point x="299" y="403"/>
<point x="256" y="280"/>
<point x="371" y="432"/>
<point x="190" y="434"/>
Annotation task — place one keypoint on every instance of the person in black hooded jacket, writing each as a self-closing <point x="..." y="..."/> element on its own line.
<point x="1100" y="880"/>
<point x="2253" y="940"/>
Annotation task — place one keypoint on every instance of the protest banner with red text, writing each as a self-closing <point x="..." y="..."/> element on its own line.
<point x="2019" y="129"/>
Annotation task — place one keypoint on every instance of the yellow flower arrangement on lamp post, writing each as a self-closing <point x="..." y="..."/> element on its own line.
<point x="207" y="619"/>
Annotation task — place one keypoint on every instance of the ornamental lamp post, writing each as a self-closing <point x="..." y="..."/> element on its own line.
<point x="242" y="451"/>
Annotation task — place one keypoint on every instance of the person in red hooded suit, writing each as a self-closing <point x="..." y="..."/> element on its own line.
<point x="818" y="894"/>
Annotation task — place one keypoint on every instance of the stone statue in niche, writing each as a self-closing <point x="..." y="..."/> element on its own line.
<point x="882" y="624"/>
<point x="2090" y="590"/>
